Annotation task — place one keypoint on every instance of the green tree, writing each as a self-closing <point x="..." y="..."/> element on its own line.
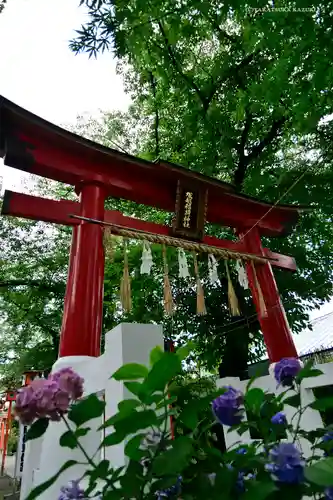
<point x="241" y="95"/>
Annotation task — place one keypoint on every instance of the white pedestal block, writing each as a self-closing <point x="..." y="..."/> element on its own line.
<point x="127" y="343"/>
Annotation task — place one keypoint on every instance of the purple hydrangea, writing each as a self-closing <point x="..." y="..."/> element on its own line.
<point x="69" y="381"/>
<point x="329" y="493"/>
<point x="226" y="407"/>
<point x="287" y="465"/>
<point x="171" y="492"/>
<point x="286" y="370"/>
<point x="328" y="438"/>
<point x="48" y="398"/>
<point x="71" y="492"/>
<point x="279" y="418"/>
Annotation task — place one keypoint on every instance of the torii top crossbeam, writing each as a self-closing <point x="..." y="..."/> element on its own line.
<point x="32" y="144"/>
<point x="29" y="143"/>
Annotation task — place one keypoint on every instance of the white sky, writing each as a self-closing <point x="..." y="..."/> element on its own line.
<point x="41" y="74"/>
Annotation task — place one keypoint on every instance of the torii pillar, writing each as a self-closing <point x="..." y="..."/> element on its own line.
<point x="32" y="144"/>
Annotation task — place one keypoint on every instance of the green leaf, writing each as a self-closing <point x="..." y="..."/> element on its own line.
<point x="156" y="354"/>
<point x="173" y="461"/>
<point x="127" y="405"/>
<point x="157" y="399"/>
<point x="189" y="419"/>
<point x="82" y="431"/>
<point x="37" y="429"/>
<point x="163" y="371"/>
<point x="68" y="440"/>
<point x="294" y="401"/>
<point x="138" y="389"/>
<point x="44" y="486"/>
<point x="168" y="401"/>
<point x="87" y="409"/>
<point x="100" y="471"/>
<point x="254" y="398"/>
<point x="320" y="473"/>
<point x="130" y="371"/>
<point x="258" y="490"/>
<point x="322" y="404"/>
<point x="132" y="481"/>
<point x="136" y="421"/>
<point x="184" y="351"/>
<point x="112" y="439"/>
<point x="132" y="448"/>
<point x="309" y="373"/>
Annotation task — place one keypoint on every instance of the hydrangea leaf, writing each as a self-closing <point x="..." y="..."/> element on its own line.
<point x="131" y="371"/>
<point x="320" y="473"/>
<point x="37" y="429"/>
<point x="87" y="409"/>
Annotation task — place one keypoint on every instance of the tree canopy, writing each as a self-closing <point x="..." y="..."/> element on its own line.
<point x="233" y="92"/>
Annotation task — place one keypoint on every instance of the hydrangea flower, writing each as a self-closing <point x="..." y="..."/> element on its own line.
<point x="242" y="477"/>
<point x="71" y="492"/>
<point x="171" y="492"/>
<point x="327" y="439"/>
<point x="286" y="465"/>
<point x="226" y="407"/>
<point x="286" y="370"/>
<point x="48" y="398"/>
<point x="69" y="381"/>
<point x="279" y="418"/>
<point x="329" y="493"/>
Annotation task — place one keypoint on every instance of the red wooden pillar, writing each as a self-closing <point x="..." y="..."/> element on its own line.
<point x="274" y="325"/>
<point x="2" y="437"/>
<point x="82" y="321"/>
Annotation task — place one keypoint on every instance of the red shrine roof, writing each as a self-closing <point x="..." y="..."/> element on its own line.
<point x="32" y="144"/>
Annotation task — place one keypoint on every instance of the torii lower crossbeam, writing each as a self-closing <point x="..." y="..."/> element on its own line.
<point x="82" y="319"/>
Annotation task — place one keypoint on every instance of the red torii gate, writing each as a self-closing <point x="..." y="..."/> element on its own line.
<point x="34" y="145"/>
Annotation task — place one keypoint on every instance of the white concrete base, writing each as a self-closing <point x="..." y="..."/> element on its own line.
<point x="44" y="457"/>
<point x="311" y="419"/>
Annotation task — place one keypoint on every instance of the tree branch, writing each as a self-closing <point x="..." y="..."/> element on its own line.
<point x="157" y="118"/>
<point x="190" y="82"/>
<point x="272" y="134"/>
<point x="239" y="174"/>
<point x="231" y="72"/>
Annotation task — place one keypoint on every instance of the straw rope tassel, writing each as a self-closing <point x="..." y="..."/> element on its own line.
<point x="201" y="306"/>
<point x="125" y="285"/>
<point x="108" y="243"/>
<point x="232" y="297"/>
<point x="168" y="301"/>
<point x="261" y="300"/>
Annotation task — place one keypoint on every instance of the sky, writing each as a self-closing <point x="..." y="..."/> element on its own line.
<point x="41" y="74"/>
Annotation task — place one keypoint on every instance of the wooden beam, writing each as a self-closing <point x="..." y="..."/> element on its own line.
<point x="58" y="212"/>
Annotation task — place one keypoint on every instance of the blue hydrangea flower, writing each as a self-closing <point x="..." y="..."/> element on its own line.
<point x="279" y="418"/>
<point x="242" y="477"/>
<point x="286" y="465"/>
<point x="226" y="408"/>
<point x="329" y="493"/>
<point x="71" y="492"/>
<point x="241" y="451"/>
<point x="326" y="439"/>
<point x="286" y="370"/>
<point x="171" y="492"/>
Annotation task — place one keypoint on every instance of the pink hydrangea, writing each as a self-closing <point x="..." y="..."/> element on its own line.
<point x="48" y="398"/>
